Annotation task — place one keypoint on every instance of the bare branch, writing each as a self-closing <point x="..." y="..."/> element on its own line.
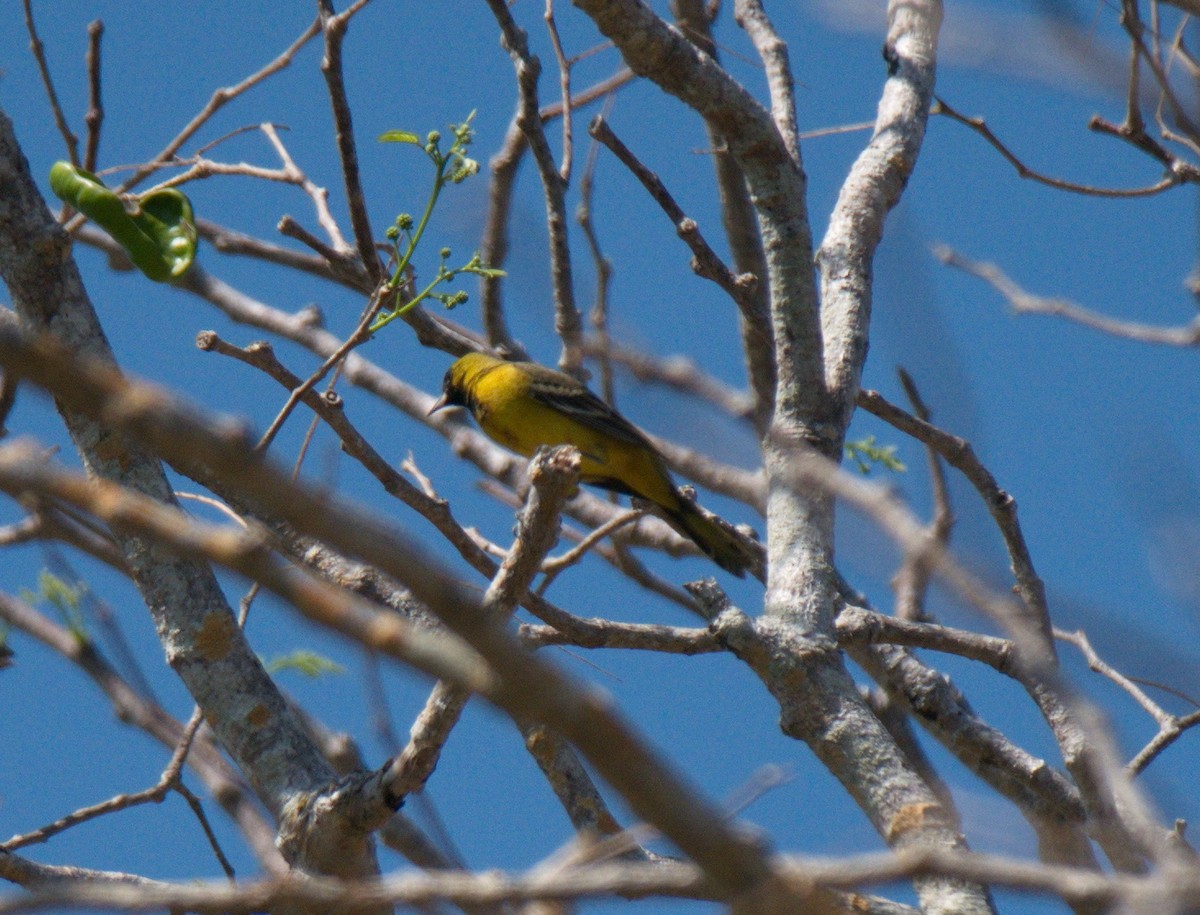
<point x="206" y="759"/>
<point x="39" y="55"/>
<point x="334" y="28"/>
<point x="564" y="82"/>
<point x="94" y="118"/>
<point x="494" y="248"/>
<point x="912" y="579"/>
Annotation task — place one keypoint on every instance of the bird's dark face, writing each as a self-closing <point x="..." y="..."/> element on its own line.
<point x="453" y="392"/>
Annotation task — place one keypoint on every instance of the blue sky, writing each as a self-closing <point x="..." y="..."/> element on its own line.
<point x="1094" y="436"/>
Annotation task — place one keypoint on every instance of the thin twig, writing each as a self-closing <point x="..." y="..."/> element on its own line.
<point x="980" y="127"/>
<point x="39" y="55"/>
<point x="494" y="247"/>
<point x="555" y="566"/>
<point x="289" y="228"/>
<point x="108" y="622"/>
<point x="912" y="579"/>
<point x="94" y="118"/>
<point x="553" y="475"/>
<point x="1096" y="664"/>
<point x="661" y="536"/>
<point x="230" y="241"/>
<point x="1134" y="28"/>
<point x="360" y="335"/>
<point x="1002" y="507"/>
<point x="334" y="28"/>
<point x="705" y="261"/>
<point x="678" y="372"/>
<point x="604" y="268"/>
<point x="318" y="195"/>
<point x="49" y="522"/>
<point x="567" y="321"/>
<point x="1025" y="303"/>
<point x="750" y="15"/>
<point x="218" y="100"/>
<point x="170" y="780"/>
<point x="1166" y="736"/>
<point x="564" y="82"/>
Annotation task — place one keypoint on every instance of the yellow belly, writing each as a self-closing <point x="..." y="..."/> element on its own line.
<point x="523" y="425"/>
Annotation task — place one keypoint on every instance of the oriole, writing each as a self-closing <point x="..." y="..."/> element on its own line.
<point x="523" y="405"/>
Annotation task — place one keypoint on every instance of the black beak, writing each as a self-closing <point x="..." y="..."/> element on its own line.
<point x="440" y="404"/>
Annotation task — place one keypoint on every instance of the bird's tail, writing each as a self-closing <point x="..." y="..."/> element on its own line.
<point x="729" y="549"/>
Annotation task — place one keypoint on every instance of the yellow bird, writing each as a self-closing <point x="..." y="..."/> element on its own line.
<point x="523" y="405"/>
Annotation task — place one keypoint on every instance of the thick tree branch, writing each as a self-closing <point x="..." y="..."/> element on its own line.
<point x="199" y="633"/>
<point x="873" y="187"/>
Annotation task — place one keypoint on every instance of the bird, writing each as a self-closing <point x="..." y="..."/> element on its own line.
<point x="524" y="405"/>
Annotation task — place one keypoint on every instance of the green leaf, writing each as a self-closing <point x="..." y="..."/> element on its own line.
<point x="400" y="136"/>
<point x="865" y="452"/>
<point x="158" y="233"/>
<point x="305" y="662"/>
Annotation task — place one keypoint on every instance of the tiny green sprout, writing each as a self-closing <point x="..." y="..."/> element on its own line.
<point x="463" y="133"/>
<point x="393" y="233"/>
<point x="865" y="452"/>
<point x="477" y="267"/>
<point x="452" y="167"/>
<point x="64" y="598"/>
<point x="457" y="299"/>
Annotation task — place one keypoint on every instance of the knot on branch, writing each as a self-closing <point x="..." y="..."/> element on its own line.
<point x="553" y="479"/>
<point x="554" y="468"/>
<point x="918" y="819"/>
<point x="775" y="650"/>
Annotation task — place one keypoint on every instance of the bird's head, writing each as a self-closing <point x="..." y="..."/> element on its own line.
<point x="456" y="385"/>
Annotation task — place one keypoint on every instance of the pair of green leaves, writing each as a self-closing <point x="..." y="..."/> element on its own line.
<point x="158" y="232"/>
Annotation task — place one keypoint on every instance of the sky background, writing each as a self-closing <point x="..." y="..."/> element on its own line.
<point x="1093" y="435"/>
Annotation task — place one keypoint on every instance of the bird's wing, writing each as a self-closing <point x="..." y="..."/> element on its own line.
<point x="576" y="401"/>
